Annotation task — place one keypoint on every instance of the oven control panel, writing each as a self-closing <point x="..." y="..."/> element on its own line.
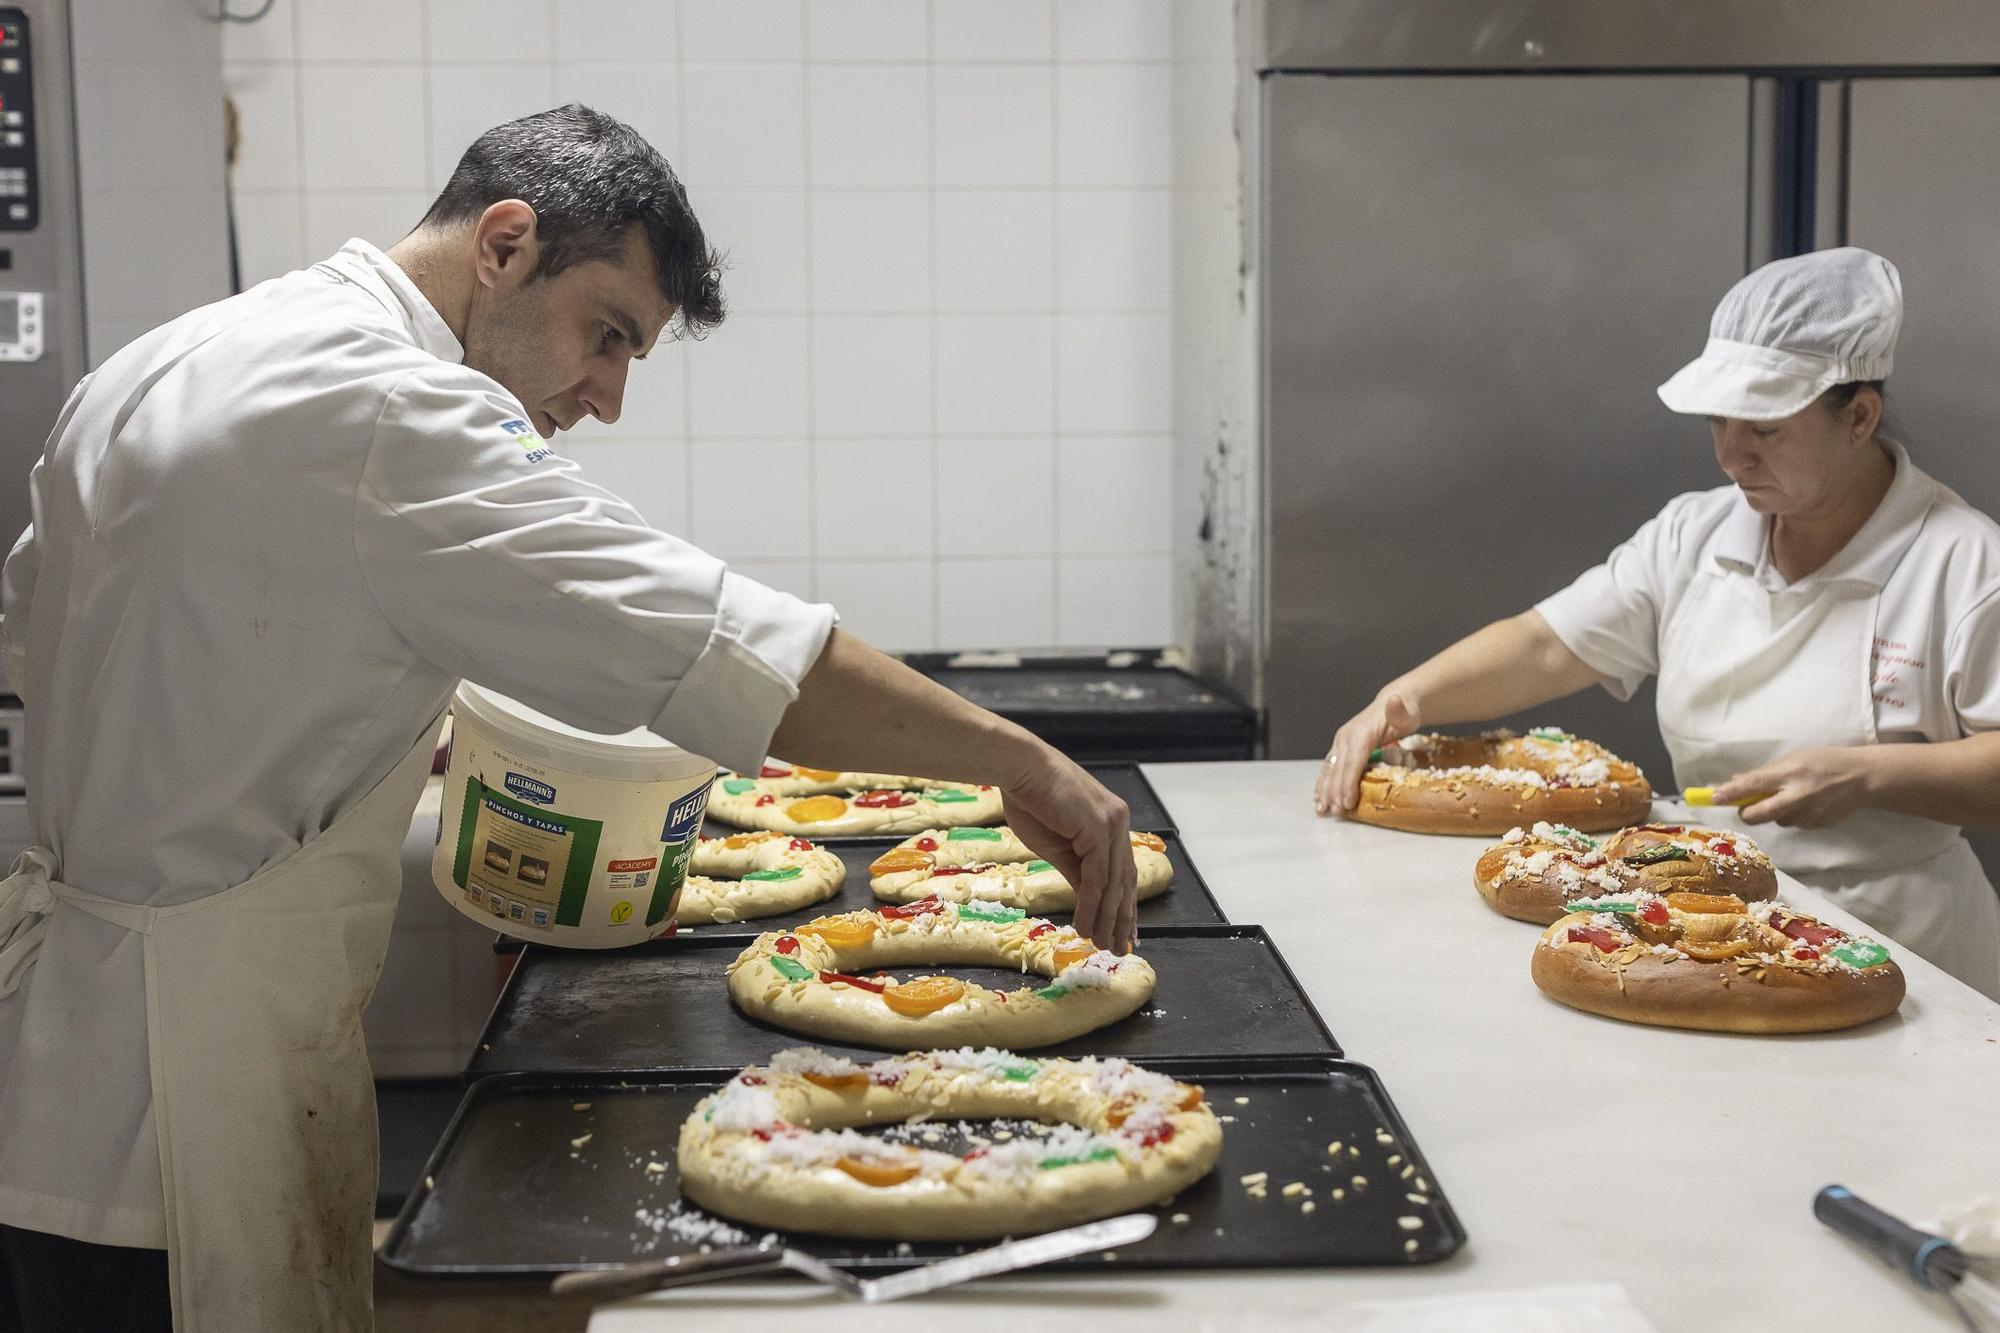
<point x="20" y="197"/>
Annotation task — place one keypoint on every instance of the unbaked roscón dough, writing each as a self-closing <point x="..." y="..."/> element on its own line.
<point x="817" y="802"/>
<point x="777" y="1146"/>
<point x="994" y="865"/>
<point x="811" y="979"/>
<point x="748" y="875"/>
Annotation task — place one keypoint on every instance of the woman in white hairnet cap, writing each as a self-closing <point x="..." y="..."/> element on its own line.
<point x="1826" y="628"/>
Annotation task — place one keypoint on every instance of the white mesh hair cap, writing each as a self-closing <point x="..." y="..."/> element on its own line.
<point x="1790" y="331"/>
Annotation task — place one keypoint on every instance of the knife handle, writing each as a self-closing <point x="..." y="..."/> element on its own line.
<point x="626" y="1280"/>
<point x="1933" y="1262"/>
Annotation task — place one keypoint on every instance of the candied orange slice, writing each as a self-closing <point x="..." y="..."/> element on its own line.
<point x="816" y="809"/>
<point x="838" y="1082"/>
<point x="1715" y="953"/>
<point x="898" y="859"/>
<point x="1073" y="951"/>
<point x="741" y="840"/>
<point x="1191" y="1095"/>
<point x="814" y="774"/>
<point x="840" y="932"/>
<point x="879" y="1174"/>
<point x="925" y="995"/>
<point x="1157" y="843"/>
<point x="1706" y="904"/>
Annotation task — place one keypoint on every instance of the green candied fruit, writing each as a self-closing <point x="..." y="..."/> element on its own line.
<point x="739" y="786"/>
<point x="1861" y="954"/>
<point x="1053" y="992"/>
<point x="790" y="970"/>
<point x="983" y="912"/>
<point x="1094" y="1155"/>
<point x="973" y="835"/>
<point x="1548" y="733"/>
<point x="1566" y="832"/>
<point x="1037" y="867"/>
<point x="951" y="796"/>
<point x="1623" y="906"/>
<point x="1020" y="1073"/>
<point x="1652" y="856"/>
<point x="775" y="876"/>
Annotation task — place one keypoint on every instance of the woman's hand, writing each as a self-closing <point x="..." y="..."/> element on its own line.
<point x="1390" y="718"/>
<point x="1804" y="789"/>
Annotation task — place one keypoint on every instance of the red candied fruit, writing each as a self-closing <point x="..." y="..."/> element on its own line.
<point x="787" y="944"/>
<point x="767" y="800"/>
<point x="799" y="845"/>
<point x="927" y="844"/>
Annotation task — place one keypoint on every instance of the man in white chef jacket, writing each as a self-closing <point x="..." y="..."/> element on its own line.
<point x="269" y="538"/>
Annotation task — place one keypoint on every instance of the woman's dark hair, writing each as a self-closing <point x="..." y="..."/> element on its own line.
<point x="1840" y="395"/>
<point x="589" y="177"/>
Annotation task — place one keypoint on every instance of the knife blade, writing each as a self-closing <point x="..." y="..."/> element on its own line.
<point x="1011" y="1256"/>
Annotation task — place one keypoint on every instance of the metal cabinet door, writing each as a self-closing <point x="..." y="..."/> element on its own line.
<point x="1923" y="188"/>
<point x="1472" y="286"/>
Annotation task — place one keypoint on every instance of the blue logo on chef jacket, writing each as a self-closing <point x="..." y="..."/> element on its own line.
<point x="686" y="814"/>
<point x="531" y="443"/>
<point x="539" y="793"/>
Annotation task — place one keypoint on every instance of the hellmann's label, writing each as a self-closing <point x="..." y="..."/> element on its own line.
<point x="685" y="814"/>
<point x="530" y="789"/>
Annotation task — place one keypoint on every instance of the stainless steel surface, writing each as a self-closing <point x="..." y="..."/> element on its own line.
<point x="128" y="120"/>
<point x="47" y="262"/>
<point x="1628" y="34"/>
<point x="1471" y="287"/>
<point x="1830" y="165"/>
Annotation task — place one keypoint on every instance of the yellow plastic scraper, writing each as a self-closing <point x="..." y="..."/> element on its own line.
<point x="1706" y="796"/>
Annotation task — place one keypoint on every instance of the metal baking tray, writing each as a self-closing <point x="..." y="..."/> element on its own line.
<point x="506" y="1195"/>
<point x="1123" y="779"/>
<point x="1224" y="992"/>
<point x="1187" y="902"/>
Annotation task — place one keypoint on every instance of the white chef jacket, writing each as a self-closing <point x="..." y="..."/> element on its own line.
<point x="1936" y="660"/>
<point x="269" y="538"/>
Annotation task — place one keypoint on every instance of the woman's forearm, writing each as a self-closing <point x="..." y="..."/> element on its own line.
<point x="1507" y="666"/>
<point x="1953" y="782"/>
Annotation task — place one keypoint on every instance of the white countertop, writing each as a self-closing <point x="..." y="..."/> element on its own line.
<point x="1575" y="1149"/>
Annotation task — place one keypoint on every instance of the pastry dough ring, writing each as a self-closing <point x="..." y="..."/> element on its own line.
<point x="807" y="979"/>
<point x="748" y="875"/>
<point x="1492" y="782"/>
<point x="816" y="803"/>
<point x="1007" y="871"/>
<point x="768" y="1148"/>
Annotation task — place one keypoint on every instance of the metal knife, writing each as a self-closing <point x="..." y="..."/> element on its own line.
<point x="1129" y="1229"/>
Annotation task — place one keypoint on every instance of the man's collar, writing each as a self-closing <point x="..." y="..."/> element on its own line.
<point x="383" y="278"/>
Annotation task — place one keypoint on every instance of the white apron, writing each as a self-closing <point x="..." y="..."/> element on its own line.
<point x="262" y="1097"/>
<point x="1748" y="675"/>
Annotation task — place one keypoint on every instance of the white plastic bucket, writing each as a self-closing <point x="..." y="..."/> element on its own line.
<point x="564" y="836"/>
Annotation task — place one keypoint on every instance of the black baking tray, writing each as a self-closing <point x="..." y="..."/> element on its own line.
<point x="1188" y="902"/>
<point x="506" y="1195"/>
<point x="1224" y="992"/>
<point x="1125" y="780"/>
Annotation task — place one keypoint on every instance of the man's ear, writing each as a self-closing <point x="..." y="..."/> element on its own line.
<point x="1867" y="413"/>
<point x="505" y="245"/>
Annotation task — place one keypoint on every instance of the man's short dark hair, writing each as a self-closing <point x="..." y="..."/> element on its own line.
<point x="589" y="177"/>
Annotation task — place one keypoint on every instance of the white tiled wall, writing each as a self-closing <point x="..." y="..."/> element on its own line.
<point x="943" y="400"/>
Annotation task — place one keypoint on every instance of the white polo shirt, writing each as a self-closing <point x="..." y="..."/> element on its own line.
<point x="1934" y="558"/>
<point x="269" y="538"/>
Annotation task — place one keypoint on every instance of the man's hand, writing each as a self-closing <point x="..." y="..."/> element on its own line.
<point x="1390" y="718"/>
<point x="1804" y="789"/>
<point x="1070" y="820"/>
